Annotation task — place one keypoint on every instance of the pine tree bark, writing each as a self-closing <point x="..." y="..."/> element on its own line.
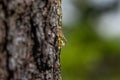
<point x="28" y="40"/>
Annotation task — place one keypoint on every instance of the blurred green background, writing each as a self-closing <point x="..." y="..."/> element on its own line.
<point x="92" y="51"/>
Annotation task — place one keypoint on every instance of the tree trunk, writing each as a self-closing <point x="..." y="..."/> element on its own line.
<point x="28" y="39"/>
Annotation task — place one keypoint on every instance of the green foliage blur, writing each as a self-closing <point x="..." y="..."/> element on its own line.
<point x="86" y="55"/>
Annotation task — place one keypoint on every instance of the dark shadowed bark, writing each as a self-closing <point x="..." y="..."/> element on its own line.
<point x="28" y="39"/>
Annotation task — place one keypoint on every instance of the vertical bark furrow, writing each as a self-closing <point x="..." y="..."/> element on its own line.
<point x="47" y="52"/>
<point x="3" y="55"/>
<point x="40" y="46"/>
<point x="4" y="71"/>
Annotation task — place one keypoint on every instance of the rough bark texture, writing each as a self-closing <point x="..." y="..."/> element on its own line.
<point x="28" y="47"/>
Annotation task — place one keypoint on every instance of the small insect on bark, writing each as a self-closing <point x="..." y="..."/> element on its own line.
<point x="61" y="38"/>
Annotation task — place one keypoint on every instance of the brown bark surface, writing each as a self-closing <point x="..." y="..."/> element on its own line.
<point x="28" y="40"/>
